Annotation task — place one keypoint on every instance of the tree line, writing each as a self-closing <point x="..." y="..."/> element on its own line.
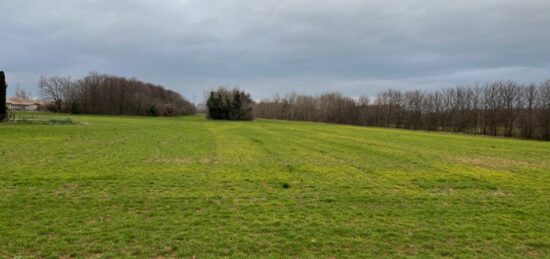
<point x="113" y="95"/>
<point x="500" y="108"/>
<point x="229" y="104"/>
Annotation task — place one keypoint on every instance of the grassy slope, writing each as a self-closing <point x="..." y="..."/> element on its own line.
<point x="117" y="186"/>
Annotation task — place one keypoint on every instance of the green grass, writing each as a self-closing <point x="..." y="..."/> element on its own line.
<point x="183" y="187"/>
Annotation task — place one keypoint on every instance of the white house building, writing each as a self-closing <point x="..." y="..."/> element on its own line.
<point x="18" y="104"/>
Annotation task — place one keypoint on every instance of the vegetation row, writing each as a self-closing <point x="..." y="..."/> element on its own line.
<point x="502" y="108"/>
<point x="106" y="94"/>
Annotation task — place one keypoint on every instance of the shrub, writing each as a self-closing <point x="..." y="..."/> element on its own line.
<point x="75" y="108"/>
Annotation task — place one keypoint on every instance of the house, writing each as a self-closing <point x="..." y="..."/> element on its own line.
<point x="19" y="104"/>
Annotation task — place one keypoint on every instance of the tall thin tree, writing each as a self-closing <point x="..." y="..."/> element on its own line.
<point x="3" y="89"/>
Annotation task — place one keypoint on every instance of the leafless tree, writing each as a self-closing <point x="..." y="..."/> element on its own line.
<point x="22" y="93"/>
<point x="105" y="94"/>
<point x="503" y="108"/>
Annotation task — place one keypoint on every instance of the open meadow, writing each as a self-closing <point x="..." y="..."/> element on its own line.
<point x="110" y="186"/>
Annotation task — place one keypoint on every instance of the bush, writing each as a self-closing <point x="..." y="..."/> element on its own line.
<point x="66" y="121"/>
<point x="75" y="108"/>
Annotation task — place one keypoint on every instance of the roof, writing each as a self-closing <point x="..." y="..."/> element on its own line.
<point x="20" y="101"/>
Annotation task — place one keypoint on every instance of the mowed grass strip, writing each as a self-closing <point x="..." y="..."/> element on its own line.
<point x="182" y="187"/>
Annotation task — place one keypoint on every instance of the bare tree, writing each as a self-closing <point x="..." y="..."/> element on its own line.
<point x="105" y="94"/>
<point x="544" y="113"/>
<point x="503" y="108"/>
<point x="22" y="93"/>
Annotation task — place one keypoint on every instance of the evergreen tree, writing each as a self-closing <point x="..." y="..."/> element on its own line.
<point x="236" y="107"/>
<point x="3" y="89"/>
<point x="212" y="107"/>
<point x="227" y="108"/>
<point x="219" y="107"/>
<point x="152" y="111"/>
<point x="229" y="104"/>
<point x="75" y="108"/>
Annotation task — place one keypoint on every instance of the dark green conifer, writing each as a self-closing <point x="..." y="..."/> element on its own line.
<point x="236" y="106"/>
<point x="3" y="89"/>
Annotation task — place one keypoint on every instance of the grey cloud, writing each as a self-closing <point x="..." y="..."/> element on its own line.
<point x="356" y="47"/>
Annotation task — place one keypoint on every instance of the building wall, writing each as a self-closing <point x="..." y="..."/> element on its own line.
<point x="31" y="107"/>
<point x="21" y="107"/>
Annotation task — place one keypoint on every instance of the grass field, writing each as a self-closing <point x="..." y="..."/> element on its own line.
<point x="184" y="187"/>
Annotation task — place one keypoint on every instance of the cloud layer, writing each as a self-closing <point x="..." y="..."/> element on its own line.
<point x="264" y="46"/>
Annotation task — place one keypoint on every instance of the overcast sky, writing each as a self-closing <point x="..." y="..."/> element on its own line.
<point x="264" y="46"/>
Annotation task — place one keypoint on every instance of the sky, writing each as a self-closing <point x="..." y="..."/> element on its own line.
<point x="275" y="46"/>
